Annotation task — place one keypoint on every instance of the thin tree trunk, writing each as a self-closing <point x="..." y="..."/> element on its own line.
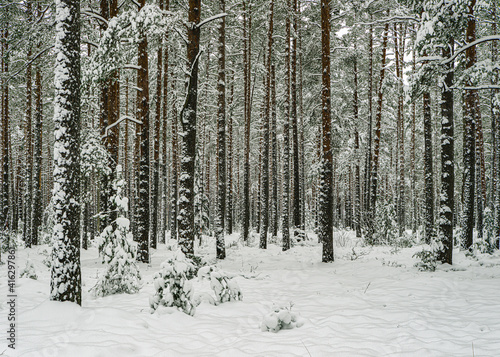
<point x="469" y="136"/>
<point x="447" y="199"/>
<point x="274" y="155"/>
<point x="286" y="143"/>
<point x="142" y="219"/>
<point x="188" y="143"/>
<point x="265" y="134"/>
<point x="326" y="224"/>
<point x="376" y="149"/>
<point x="221" y="139"/>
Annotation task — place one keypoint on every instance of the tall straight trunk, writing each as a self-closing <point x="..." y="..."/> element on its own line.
<point x="368" y="171"/>
<point x="36" y="211"/>
<point x="142" y="211"/>
<point x="65" y="283"/>
<point x="221" y="139"/>
<point x="165" y="203"/>
<point x="28" y="142"/>
<point x="230" y="186"/>
<point x="326" y="198"/>
<point x="495" y="113"/>
<point x="357" y="193"/>
<point x="400" y="48"/>
<point x="265" y="135"/>
<point x="286" y="142"/>
<point x="188" y="143"/>
<point x="295" y="132"/>
<point x="5" y="137"/>
<point x="247" y="46"/>
<point x="412" y="157"/>
<point x="155" y="189"/>
<point x="428" y="173"/>
<point x="480" y="170"/>
<point x="274" y="156"/>
<point x="175" y="165"/>
<point x="376" y="143"/>
<point x="469" y="137"/>
<point x="447" y="200"/>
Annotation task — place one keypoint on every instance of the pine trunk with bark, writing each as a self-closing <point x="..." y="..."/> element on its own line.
<point x="65" y="283"/>
<point x="469" y="137"/>
<point x="142" y="207"/>
<point x="447" y="199"/>
<point x="221" y="140"/>
<point x="326" y="195"/>
<point x="188" y="142"/>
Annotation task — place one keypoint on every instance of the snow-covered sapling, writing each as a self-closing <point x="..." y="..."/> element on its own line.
<point x="118" y="250"/>
<point x="281" y="318"/>
<point x="224" y="287"/>
<point x="28" y="271"/>
<point x="173" y="289"/>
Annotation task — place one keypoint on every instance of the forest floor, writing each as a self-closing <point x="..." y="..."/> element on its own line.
<point x="371" y="301"/>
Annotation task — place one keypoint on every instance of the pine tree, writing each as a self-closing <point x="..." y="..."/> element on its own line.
<point x="265" y="133"/>
<point x="469" y="136"/>
<point x="188" y="143"/>
<point x="326" y="195"/>
<point x="142" y="211"/>
<point x="221" y="139"/>
<point x="65" y="281"/>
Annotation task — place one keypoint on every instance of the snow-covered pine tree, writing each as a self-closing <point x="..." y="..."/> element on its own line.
<point x="65" y="284"/>
<point x="117" y="248"/>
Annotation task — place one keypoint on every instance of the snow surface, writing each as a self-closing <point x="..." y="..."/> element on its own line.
<point x="378" y="304"/>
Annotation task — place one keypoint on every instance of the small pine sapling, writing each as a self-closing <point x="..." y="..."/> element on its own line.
<point x="281" y="318"/>
<point x="118" y="250"/>
<point x="224" y="287"/>
<point x="28" y="271"/>
<point x="173" y="288"/>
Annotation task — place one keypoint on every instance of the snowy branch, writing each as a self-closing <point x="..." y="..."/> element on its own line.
<point x="90" y="13"/>
<point x="30" y="62"/>
<point x="481" y="87"/>
<point x="125" y="117"/>
<point x="212" y="18"/>
<point x="464" y="48"/>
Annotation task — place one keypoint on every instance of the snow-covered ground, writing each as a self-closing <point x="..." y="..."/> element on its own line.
<point x="371" y="303"/>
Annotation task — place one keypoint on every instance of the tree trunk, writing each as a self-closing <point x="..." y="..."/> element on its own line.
<point x="376" y="149"/>
<point x="265" y="134"/>
<point x="247" y="52"/>
<point x="469" y="136"/>
<point x="274" y="156"/>
<point x="286" y="142"/>
<point x="36" y="209"/>
<point x="142" y="210"/>
<point x="65" y="284"/>
<point x="326" y="196"/>
<point x="447" y="200"/>
<point x="221" y="139"/>
<point x="188" y="143"/>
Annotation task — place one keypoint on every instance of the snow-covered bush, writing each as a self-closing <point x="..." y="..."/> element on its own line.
<point x="118" y="250"/>
<point x="281" y="318"/>
<point x="28" y="271"/>
<point x="489" y="224"/>
<point x="224" y="287"/>
<point x="386" y="228"/>
<point x="173" y="288"/>
<point x="428" y="259"/>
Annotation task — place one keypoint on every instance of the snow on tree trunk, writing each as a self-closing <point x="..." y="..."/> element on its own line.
<point x="469" y="137"/>
<point x="447" y="201"/>
<point x="188" y="135"/>
<point x="285" y="226"/>
<point x="65" y="284"/>
<point x="142" y="210"/>
<point x="428" y="173"/>
<point x="326" y="195"/>
<point x="36" y="212"/>
<point x="265" y="151"/>
<point x="221" y="140"/>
